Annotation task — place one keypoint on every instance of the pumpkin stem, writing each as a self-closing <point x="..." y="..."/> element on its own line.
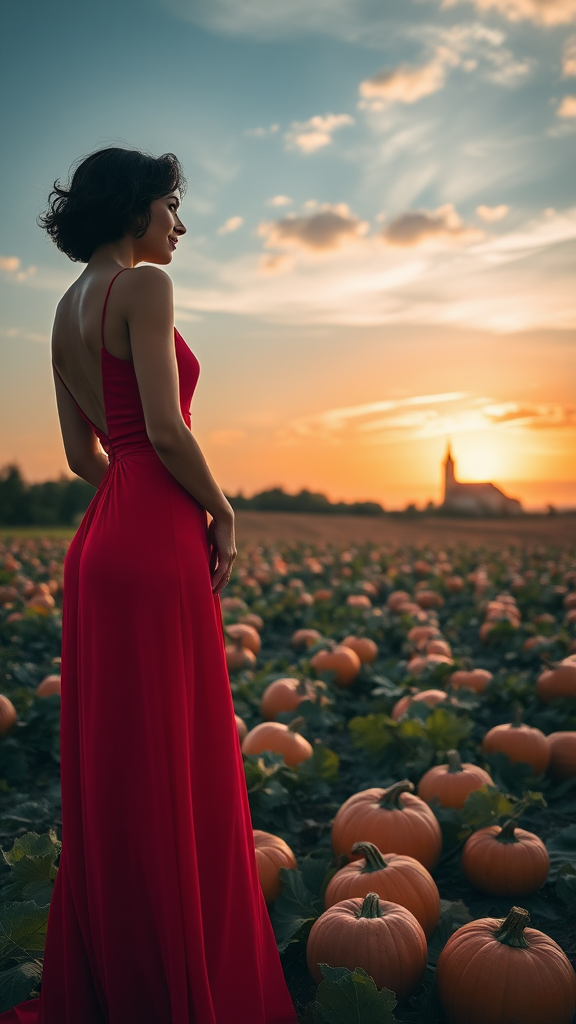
<point x="454" y="762"/>
<point x="374" y="859"/>
<point x="506" y="834"/>
<point x="517" y="720"/>
<point x="301" y="689"/>
<point x="296" y="723"/>
<point x="371" y="906"/>
<point x="511" y="930"/>
<point x="391" y="797"/>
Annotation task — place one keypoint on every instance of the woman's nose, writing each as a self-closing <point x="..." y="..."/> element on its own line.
<point x="179" y="227"/>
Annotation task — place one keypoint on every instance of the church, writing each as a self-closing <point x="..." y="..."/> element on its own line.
<point x="475" y="499"/>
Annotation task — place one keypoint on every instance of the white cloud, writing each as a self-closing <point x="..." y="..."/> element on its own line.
<point x="542" y="12"/>
<point x="308" y="136"/>
<point x="567" y="107"/>
<point x="12" y="265"/>
<point x="404" y="84"/>
<point x="9" y="264"/>
<point x="328" y="227"/>
<point x="259" y="133"/>
<point x="279" y="201"/>
<point x="418" y="226"/>
<point x="232" y="224"/>
<point x="492" y="213"/>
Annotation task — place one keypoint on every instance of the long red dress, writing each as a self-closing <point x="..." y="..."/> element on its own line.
<point x="157" y="915"/>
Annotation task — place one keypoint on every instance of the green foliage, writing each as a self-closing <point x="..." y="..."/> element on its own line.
<point x="350" y="997"/>
<point x="562" y="852"/>
<point x="33" y="870"/>
<point x="294" y="909"/>
<point x="19" y="983"/>
<point x="452" y="917"/>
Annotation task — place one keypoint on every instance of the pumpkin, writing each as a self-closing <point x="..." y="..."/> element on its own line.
<point x="438" y="647"/>
<point x="520" y="743"/>
<point x="343" y="661"/>
<point x="562" y="755"/>
<point x="272" y="853"/>
<point x="476" y="679"/>
<point x="382" y="937"/>
<point x="451" y="783"/>
<point x="358" y="601"/>
<point x="393" y="819"/>
<point x="420" y="634"/>
<point x="320" y="596"/>
<point x="507" y="861"/>
<point x="429" y="599"/>
<point x="493" y="972"/>
<point x="429" y="697"/>
<point x="557" y="682"/>
<point x="43" y="604"/>
<point x="7" y="714"/>
<point x="285" y="695"/>
<point x="280" y="739"/>
<point x="251" y="619"/>
<point x="247" y="635"/>
<point x="238" y="656"/>
<point x="396" y="599"/>
<point x="418" y="665"/>
<point x="394" y="877"/>
<point x="241" y="726"/>
<point x="365" y="648"/>
<point x="49" y="685"/>
<point x="454" y="584"/>
<point x="8" y="594"/>
<point x="305" y="638"/>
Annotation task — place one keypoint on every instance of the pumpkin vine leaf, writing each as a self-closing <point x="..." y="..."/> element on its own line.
<point x="350" y="997"/>
<point x="452" y="917"/>
<point x="19" y="983"/>
<point x="296" y="906"/>
<point x="562" y="852"/>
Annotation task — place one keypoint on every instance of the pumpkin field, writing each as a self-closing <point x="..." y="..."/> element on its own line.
<point x="407" y="716"/>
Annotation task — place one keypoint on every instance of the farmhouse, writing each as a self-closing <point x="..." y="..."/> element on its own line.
<point x="475" y="499"/>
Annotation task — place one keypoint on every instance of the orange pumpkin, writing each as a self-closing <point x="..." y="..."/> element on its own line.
<point x="420" y="634"/>
<point x="241" y="726"/>
<point x="320" y="596"/>
<point x="343" y="661"/>
<point x="429" y="599"/>
<point x="557" y="682"/>
<point x="48" y="686"/>
<point x="394" y="877"/>
<point x="239" y="657"/>
<point x="507" y="861"/>
<point x="520" y="743"/>
<point x="476" y="679"/>
<point x="418" y="665"/>
<point x="280" y="739"/>
<point x="382" y="938"/>
<point x="358" y="601"/>
<point x="247" y="635"/>
<point x="438" y="647"/>
<point x="429" y="697"/>
<point x="305" y="638"/>
<point x="451" y="783"/>
<point x="251" y="619"/>
<point x="393" y="819"/>
<point x="7" y="714"/>
<point x="285" y="695"/>
<point x="498" y="971"/>
<point x="562" y="755"/>
<point x="272" y="853"/>
<point x="396" y="599"/>
<point x="8" y="594"/>
<point x="365" y="648"/>
<point x="454" y="584"/>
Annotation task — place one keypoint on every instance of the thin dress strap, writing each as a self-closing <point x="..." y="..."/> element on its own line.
<point x="106" y="303"/>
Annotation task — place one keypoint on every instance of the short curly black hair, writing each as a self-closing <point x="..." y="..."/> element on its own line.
<point x="108" y="195"/>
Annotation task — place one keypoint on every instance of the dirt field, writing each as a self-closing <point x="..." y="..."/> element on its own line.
<point x="264" y="527"/>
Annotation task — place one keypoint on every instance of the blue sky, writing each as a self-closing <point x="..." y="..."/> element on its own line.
<point x="359" y="173"/>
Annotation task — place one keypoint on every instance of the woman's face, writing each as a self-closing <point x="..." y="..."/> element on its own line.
<point x="161" y="237"/>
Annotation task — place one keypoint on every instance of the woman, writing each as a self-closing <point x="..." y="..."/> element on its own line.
<point x="157" y="916"/>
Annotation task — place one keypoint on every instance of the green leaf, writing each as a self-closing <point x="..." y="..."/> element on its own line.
<point x="485" y="806"/>
<point x="19" y="983"/>
<point x="350" y="997"/>
<point x="323" y="763"/>
<point x="372" y="732"/>
<point x="452" y="917"/>
<point x="562" y="851"/>
<point x="295" y="907"/>
<point x="22" y="929"/>
<point x="512" y="776"/>
<point x="314" y="867"/>
<point x="447" y="730"/>
<point x="33" y="870"/>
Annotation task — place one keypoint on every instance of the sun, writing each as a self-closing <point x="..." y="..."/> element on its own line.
<point x="478" y="460"/>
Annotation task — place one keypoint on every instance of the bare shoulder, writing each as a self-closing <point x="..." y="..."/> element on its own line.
<point x="140" y="280"/>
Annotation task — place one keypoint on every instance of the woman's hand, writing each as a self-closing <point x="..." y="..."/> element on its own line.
<point x="222" y="541"/>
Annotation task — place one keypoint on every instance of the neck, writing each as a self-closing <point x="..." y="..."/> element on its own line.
<point x="124" y="252"/>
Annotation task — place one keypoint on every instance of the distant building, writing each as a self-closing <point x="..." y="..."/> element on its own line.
<point x="475" y="499"/>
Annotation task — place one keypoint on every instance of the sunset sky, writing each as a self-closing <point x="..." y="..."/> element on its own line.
<point x="381" y="240"/>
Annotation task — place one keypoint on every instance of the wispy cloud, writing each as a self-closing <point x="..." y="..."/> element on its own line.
<point x="12" y="267"/>
<point x="542" y="12"/>
<point x="230" y="225"/>
<point x="279" y="201"/>
<point x="425" y="416"/>
<point x="492" y="213"/>
<point x="317" y="132"/>
<point x="567" y="107"/>
<point x="403" y="84"/>
<point x="259" y="133"/>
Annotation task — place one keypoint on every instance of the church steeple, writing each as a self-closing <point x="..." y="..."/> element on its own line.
<point x="449" y="472"/>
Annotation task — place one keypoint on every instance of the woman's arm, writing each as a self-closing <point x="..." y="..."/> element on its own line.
<point x="83" y="453"/>
<point x="149" y="304"/>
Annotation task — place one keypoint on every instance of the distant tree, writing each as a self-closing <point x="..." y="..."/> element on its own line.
<point x="53" y="503"/>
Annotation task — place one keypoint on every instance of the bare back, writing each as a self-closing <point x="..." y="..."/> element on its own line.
<point x="77" y="337"/>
